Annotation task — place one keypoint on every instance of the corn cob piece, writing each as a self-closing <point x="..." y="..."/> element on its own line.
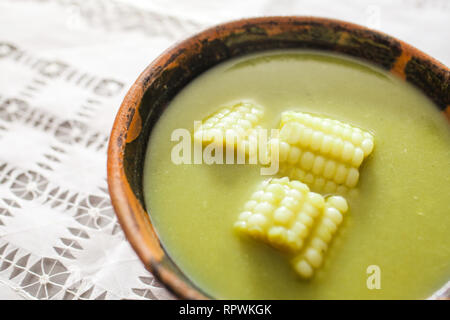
<point x="324" y="153"/>
<point x="234" y="126"/>
<point x="312" y="255"/>
<point x="281" y="213"/>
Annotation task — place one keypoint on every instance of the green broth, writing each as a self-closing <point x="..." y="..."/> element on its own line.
<point x="399" y="219"/>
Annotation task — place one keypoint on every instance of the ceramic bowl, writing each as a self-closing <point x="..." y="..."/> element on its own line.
<point x="172" y="70"/>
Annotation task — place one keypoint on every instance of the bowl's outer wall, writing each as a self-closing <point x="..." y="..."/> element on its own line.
<point x="167" y="75"/>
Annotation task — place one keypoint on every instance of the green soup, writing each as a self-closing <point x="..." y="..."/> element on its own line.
<point x="399" y="217"/>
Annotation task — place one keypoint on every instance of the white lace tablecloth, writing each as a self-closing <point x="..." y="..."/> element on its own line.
<point x="64" y="69"/>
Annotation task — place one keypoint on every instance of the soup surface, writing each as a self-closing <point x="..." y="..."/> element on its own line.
<point x="399" y="218"/>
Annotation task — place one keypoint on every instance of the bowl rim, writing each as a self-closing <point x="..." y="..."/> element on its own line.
<point x="132" y="217"/>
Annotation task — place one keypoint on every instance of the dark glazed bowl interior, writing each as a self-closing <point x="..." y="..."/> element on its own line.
<point x="170" y="72"/>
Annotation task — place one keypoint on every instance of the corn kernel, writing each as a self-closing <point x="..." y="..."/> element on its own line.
<point x="294" y="155"/>
<point x="358" y="157"/>
<point x="277" y="191"/>
<point x="305" y="140"/>
<point x="329" y="224"/>
<point x="319" y="245"/>
<point x="257" y="220"/>
<point x="309" y="178"/>
<point x="314" y="257"/>
<point x="341" y="174"/>
<point x="245" y="215"/>
<point x="357" y="138"/>
<point x="300" y="229"/>
<point x="319" y="183"/>
<point x="318" y="166"/>
<point x="258" y="195"/>
<point x="330" y="169"/>
<point x="283" y="215"/>
<point x="241" y="226"/>
<point x="268" y="197"/>
<point x="316" y="140"/>
<point x="316" y="200"/>
<point x="304" y="269"/>
<point x="295" y="194"/>
<point x="264" y="208"/>
<point x="336" y="149"/>
<point x="348" y="152"/>
<point x="352" y="177"/>
<point x="290" y="203"/>
<point x="334" y="215"/>
<point x="305" y="219"/>
<point x="342" y="189"/>
<point x="299" y="186"/>
<point x="307" y="160"/>
<point x="327" y="144"/>
<point x="249" y="205"/>
<point x="284" y="151"/>
<point x="339" y="203"/>
<point x="330" y="187"/>
<point x="367" y="146"/>
<point x="324" y="233"/>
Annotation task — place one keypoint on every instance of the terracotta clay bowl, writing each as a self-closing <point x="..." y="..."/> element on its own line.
<point x="171" y="71"/>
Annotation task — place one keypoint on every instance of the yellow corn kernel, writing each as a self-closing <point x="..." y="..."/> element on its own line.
<point x="313" y="252"/>
<point x="322" y="148"/>
<point x="281" y="213"/>
<point x="234" y="126"/>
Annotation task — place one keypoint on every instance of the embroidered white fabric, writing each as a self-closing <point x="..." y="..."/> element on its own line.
<point x="65" y="66"/>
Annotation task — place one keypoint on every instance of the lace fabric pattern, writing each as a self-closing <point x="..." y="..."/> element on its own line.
<point x="65" y="66"/>
<point x="59" y="237"/>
